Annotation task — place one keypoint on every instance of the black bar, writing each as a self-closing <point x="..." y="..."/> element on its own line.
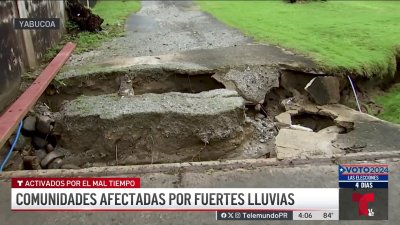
<point x="363" y="185"/>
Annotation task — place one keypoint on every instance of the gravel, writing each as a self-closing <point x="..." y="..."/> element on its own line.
<point x="163" y="27"/>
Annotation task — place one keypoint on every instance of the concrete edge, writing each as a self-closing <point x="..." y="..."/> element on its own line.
<point x="176" y="168"/>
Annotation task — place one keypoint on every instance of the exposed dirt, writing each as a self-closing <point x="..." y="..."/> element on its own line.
<point x="86" y="20"/>
<point x="152" y="128"/>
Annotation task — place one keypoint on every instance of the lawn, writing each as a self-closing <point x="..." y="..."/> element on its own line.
<point x="390" y="102"/>
<point x="359" y="37"/>
<point x="114" y="14"/>
<point x="342" y="36"/>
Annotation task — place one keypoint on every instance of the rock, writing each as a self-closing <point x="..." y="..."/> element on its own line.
<point x="39" y="142"/>
<point x="29" y="124"/>
<point x="26" y="151"/>
<point x="333" y="129"/>
<point x="40" y="154"/>
<point x="21" y="142"/>
<point x="126" y="88"/>
<point x="50" y="157"/>
<point x="299" y="127"/>
<point x="260" y="116"/>
<point x="43" y="124"/>
<point x="257" y="107"/>
<point x="284" y="118"/>
<point x="57" y="116"/>
<point x="42" y="109"/>
<point x="55" y="164"/>
<point x="292" y="144"/>
<point x="31" y="163"/>
<point x="295" y="81"/>
<point x="324" y="90"/>
<point x="252" y="83"/>
<point x="289" y="103"/>
<point x="49" y="148"/>
<point x="70" y="167"/>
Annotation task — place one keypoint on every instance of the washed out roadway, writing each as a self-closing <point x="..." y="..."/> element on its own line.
<point x="165" y="28"/>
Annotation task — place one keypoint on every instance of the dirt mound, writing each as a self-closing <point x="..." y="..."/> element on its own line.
<point x="83" y="17"/>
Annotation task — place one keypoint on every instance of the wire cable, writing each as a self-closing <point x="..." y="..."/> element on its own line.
<point x="355" y="93"/>
<point x="12" y="147"/>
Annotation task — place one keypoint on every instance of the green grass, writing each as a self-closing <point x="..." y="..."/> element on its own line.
<point x="359" y="37"/>
<point x="114" y="14"/>
<point x="390" y="103"/>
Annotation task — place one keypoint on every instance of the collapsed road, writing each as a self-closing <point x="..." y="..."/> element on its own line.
<point x="195" y="98"/>
<point x="181" y="89"/>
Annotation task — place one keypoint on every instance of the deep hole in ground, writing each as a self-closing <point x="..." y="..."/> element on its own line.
<point x="172" y="117"/>
<point x="179" y="83"/>
<point x="175" y="82"/>
<point x="164" y="133"/>
<point x="124" y="134"/>
<point x="315" y="122"/>
<point x="272" y="102"/>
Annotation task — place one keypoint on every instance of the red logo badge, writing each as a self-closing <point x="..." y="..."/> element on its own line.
<point x="363" y="200"/>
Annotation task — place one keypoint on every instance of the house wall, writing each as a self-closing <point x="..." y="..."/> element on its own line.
<point x="21" y="50"/>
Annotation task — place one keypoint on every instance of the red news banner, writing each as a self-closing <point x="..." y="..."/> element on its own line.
<point x="75" y="182"/>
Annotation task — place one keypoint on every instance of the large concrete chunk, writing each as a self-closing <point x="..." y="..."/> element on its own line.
<point x="252" y="82"/>
<point x="291" y="144"/>
<point x="324" y="90"/>
<point x="152" y="128"/>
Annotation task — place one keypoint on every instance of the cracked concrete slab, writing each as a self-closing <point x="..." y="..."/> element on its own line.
<point x="152" y="128"/>
<point x="302" y="144"/>
<point x="252" y="82"/>
<point x="360" y="132"/>
<point x="201" y="59"/>
<point x="249" y="69"/>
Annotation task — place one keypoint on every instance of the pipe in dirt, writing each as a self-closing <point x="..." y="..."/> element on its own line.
<point x="355" y="93"/>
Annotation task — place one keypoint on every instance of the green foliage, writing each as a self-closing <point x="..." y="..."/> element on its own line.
<point x="390" y="103"/>
<point x="359" y="37"/>
<point x="70" y="26"/>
